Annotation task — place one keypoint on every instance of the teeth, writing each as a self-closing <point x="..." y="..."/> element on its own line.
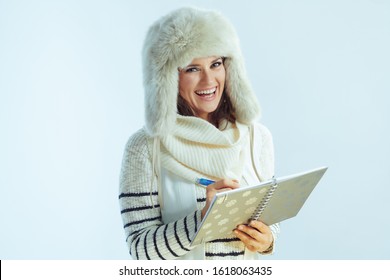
<point x="209" y="91"/>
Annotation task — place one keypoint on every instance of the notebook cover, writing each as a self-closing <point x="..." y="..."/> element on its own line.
<point x="231" y="208"/>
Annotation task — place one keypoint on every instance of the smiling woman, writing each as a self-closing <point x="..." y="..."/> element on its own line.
<point x="201" y="90"/>
<point x="200" y="123"/>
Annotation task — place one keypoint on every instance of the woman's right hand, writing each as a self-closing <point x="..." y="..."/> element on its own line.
<point x="219" y="186"/>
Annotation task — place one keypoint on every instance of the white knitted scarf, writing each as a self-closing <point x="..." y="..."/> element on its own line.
<point x="197" y="149"/>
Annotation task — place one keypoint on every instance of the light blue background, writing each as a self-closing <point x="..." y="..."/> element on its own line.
<point x="71" y="95"/>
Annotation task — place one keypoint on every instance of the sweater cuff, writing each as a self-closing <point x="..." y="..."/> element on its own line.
<point x="271" y="248"/>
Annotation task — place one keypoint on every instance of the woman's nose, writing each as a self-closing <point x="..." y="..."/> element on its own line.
<point x="207" y="77"/>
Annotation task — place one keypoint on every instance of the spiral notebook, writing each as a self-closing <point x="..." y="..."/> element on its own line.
<point x="270" y="202"/>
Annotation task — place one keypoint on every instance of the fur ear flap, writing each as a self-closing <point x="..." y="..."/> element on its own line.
<point x="174" y="41"/>
<point x="240" y="92"/>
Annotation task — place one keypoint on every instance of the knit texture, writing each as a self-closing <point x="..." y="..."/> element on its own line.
<point x="147" y="236"/>
<point x="197" y="149"/>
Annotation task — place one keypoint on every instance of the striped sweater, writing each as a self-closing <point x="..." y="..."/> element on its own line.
<point x="147" y="236"/>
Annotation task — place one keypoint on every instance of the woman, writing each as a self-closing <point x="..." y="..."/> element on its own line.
<point x="200" y="114"/>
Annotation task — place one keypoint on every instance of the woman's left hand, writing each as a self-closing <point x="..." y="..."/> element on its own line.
<point x="256" y="236"/>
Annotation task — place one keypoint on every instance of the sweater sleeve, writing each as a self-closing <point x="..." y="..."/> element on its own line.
<point x="147" y="237"/>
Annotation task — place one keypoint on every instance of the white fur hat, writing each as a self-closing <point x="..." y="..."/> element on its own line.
<point x="174" y="41"/>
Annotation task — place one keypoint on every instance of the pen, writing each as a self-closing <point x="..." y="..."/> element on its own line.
<point x="204" y="182"/>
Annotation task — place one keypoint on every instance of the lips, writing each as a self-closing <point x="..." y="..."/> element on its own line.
<point x="204" y="92"/>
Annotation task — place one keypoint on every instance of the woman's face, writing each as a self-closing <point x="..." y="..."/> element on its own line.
<point x="201" y="84"/>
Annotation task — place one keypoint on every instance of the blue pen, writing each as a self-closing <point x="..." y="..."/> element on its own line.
<point x="204" y="182"/>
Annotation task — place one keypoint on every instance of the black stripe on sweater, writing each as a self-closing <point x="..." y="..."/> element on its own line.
<point x="196" y="221"/>
<point x="136" y="249"/>
<point x="135" y="233"/>
<point x="145" y="245"/>
<point x="167" y="243"/>
<point x="141" y="221"/>
<point x="155" y="245"/>
<point x="186" y="229"/>
<point x="234" y="239"/>
<point x="126" y="210"/>
<point x="136" y="194"/>
<point x="224" y="254"/>
<point x="177" y="237"/>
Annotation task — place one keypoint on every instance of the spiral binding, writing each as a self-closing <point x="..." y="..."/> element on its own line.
<point x="263" y="204"/>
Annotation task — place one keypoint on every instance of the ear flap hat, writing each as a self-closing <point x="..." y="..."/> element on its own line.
<point x="174" y="41"/>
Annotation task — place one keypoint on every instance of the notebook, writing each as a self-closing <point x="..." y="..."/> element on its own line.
<point x="270" y="202"/>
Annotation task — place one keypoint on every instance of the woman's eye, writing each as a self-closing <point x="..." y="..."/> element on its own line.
<point x="192" y="69"/>
<point x="216" y="64"/>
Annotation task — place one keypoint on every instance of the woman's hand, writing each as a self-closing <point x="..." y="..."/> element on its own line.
<point x="219" y="186"/>
<point x="256" y="236"/>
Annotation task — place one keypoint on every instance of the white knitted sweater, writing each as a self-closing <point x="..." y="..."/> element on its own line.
<point x="147" y="236"/>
